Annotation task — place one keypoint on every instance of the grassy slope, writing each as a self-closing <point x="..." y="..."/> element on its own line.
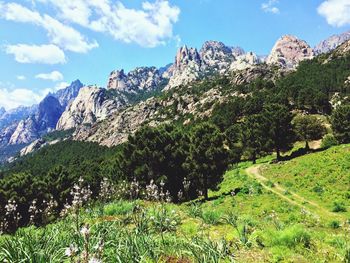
<point x="276" y="231"/>
<point x="322" y="177"/>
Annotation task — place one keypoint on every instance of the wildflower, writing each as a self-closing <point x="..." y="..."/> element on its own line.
<point x="85" y="231"/>
<point x="71" y="251"/>
<point x="33" y="211"/>
<point x="167" y="197"/>
<point x="180" y="195"/>
<point x="94" y="260"/>
<point x="186" y="183"/>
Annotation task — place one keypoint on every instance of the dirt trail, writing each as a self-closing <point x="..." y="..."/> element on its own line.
<point x="297" y="200"/>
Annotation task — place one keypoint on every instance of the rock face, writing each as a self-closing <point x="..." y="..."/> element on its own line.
<point x="216" y="54"/>
<point x="26" y="124"/>
<point x="213" y="57"/>
<point x="140" y="79"/>
<point x="187" y="67"/>
<point x="49" y="112"/>
<point x="16" y="115"/>
<point x="91" y="105"/>
<point x="331" y="43"/>
<point x="245" y="61"/>
<point x="289" y="51"/>
<point x="25" y="132"/>
<point x="67" y="95"/>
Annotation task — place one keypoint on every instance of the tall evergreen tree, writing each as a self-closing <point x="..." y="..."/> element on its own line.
<point x="253" y="135"/>
<point x="308" y="128"/>
<point x="280" y="131"/>
<point x="208" y="158"/>
<point x="341" y="123"/>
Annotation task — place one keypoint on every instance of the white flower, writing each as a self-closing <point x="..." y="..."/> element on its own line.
<point x="71" y="251"/>
<point x="95" y="260"/>
<point x="85" y="231"/>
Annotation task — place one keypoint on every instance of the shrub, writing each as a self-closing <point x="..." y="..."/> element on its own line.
<point x="119" y="208"/>
<point x="195" y="210"/>
<point x="211" y="217"/>
<point x="328" y="141"/>
<point x="290" y="237"/>
<point x="334" y="224"/>
<point x="338" y="207"/>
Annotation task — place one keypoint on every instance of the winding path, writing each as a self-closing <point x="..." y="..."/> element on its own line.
<point x="294" y="199"/>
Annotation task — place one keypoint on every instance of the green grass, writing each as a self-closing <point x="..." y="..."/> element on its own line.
<point x="253" y="225"/>
<point x="322" y="177"/>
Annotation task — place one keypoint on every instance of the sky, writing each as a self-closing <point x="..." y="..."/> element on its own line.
<point x="46" y="44"/>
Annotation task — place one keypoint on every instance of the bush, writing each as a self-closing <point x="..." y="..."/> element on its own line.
<point x="334" y="224"/>
<point x="289" y="237"/>
<point x="338" y="207"/>
<point x="119" y="208"/>
<point x="211" y="217"/>
<point x="195" y="210"/>
<point x="328" y="141"/>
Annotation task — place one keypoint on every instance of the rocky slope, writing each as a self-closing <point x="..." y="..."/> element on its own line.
<point x="67" y="95"/>
<point x="26" y="124"/>
<point x="331" y="43"/>
<point x="140" y="79"/>
<point x="190" y="65"/>
<point x="213" y="57"/>
<point x="289" y="51"/>
<point x="107" y="116"/>
<point x="90" y="106"/>
<point x="15" y="115"/>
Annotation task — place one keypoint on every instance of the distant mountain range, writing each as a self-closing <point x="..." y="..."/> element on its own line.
<point x="82" y="107"/>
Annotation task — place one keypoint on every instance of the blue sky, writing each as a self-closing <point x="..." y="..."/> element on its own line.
<point x="45" y="44"/>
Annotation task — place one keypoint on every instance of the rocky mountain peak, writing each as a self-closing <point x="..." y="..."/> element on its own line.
<point x="26" y="132"/>
<point x="117" y="80"/>
<point x="66" y="95"/>
<point x="141" y="78"/>
<point x="91" y="105"/>
<point x="49" y="112"/>
<point x="331" y="43"/>
<point x="289" y="51"/>
<point x="185" y="56"/>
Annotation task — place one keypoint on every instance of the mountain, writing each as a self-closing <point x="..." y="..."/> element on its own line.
<point x="289" y="51"/>
<point x="49" y="111"/>
<point x="24" y="125"/>
<point x="331" y="43"/>
<point x="25" y="132"/>
<point x="91" y="105"/>
<point x="95" y="112"/>
<point x="15" y="115"/>
<point x="184" y="103"/>
<point x="68" y="94"/>
<point x="213" y="58"/>
<point x="140" y="79"/>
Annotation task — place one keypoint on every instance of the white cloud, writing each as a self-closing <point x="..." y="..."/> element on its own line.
<point x="53" y="76"/>
<point x="337" y="12"/>
<point x="270" y="7"/>
<point x="60" y="34"/>
<point x="44" y="54"/>
<point x="148" y="27"/>
<point x="20" y="77"/>
<point x="10" y="99"/>
<point x="61" y="85"/>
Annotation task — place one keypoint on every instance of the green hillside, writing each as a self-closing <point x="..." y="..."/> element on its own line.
<point x="244" y="221"/>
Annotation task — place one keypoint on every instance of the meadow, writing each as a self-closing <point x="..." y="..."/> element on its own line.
<point x="243" y="221"/>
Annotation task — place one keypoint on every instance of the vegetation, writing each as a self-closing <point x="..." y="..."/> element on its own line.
<point x="185" y="193"/>
<point x="308" y="128"/>
<point x="341" y="123"/>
